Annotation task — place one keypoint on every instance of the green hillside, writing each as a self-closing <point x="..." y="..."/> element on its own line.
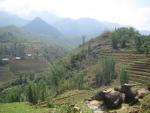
<point x="110" y="60"/>
<point x="88" y="56"/>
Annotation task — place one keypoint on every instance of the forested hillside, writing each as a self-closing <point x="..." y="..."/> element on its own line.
<point x="22" y="52"/>
<point x="111" y="59"/>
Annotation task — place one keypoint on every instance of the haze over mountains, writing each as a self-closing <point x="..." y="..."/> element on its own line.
<point x="39" y="26"/>
<point x="11" y="19"/>
<point x="84" y="26"/>
<point x="55" y="27"/>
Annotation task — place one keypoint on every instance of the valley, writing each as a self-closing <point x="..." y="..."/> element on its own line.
<point x="73" y="66"/>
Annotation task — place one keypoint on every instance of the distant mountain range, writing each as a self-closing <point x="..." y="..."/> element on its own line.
<point x="12" y="33"/>
<point x="7" y="19"/>
<point x="145" y="32"/>
<point x="53" y="27"/>
<point x="39" y="26"/>
<point x="85" y="26"/>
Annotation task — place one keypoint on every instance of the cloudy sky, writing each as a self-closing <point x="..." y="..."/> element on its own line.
<point x="127" y="12"/>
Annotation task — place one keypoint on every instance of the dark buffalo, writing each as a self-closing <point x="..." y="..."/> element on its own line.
<point x="131" y="96"/>
<point x="111" y="98"/>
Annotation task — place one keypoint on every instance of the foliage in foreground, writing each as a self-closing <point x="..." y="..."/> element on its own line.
<point x="36" y="89"/>
<point x="32" y="91"/>
<point x="60" y="78"/>
<point x="21" y="108"/>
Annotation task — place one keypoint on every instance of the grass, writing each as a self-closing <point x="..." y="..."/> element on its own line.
<point x="76" y="97"/>
<point x="21" y="108"/>
<point x="146" y="105"/>
<point x="61" y="104"/>
<point x="73" y="96"/>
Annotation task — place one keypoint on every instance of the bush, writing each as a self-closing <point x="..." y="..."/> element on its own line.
<point x="50" y="105"/>
<point x="12" y="94"/>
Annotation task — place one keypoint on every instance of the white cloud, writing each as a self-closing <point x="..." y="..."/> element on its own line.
<point x="120" y="11"/>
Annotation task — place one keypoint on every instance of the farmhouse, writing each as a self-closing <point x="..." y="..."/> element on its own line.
<point x="17" y="58"/>
<point x="5" y="59"/>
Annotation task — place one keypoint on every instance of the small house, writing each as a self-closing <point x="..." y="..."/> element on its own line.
<point x="5" y="59"/>
<point x="29" y="55"/>
<point x="17" y="58"/>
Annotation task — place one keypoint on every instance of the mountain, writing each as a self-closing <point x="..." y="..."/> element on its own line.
<point x="54" y="47"/>
<point x="46" y="16"/>
<point x="145" y="32"/>
<point x="7" y="18"/>
<point x="39" y="26"/>
<point x="13" y="33"/>
<point x="84" y="26"/>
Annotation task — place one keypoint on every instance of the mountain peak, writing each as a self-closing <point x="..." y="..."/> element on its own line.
<point x="39" y="26"/>
<point x="38" y="20"/>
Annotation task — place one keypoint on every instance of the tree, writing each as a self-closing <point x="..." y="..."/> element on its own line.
<point x="83" y="51"/>
<point x="123" y="75"/>
<point x="30" y="93"/>
<point x="57" y="72"/>
<point x="42" y="87"/>
<point x="106" y="73"/>
<point x="114" y="42"/>
<point x="146" y="45"/>
<point x="138" y="43"/>
<point x="79" y="80"/>
<point x="33" y="93"/>
<point x="123" y="36"/>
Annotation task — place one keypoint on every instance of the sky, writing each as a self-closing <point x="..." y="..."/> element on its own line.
<point x="135" y="13"/>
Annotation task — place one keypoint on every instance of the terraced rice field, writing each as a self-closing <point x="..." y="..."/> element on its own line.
<point x="139" y="67"/>
<point x="11" y="72"/>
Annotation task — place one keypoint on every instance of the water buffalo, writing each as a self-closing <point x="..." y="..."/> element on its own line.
<point x="111" y="99"/>
<point x="131" y="96"/>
